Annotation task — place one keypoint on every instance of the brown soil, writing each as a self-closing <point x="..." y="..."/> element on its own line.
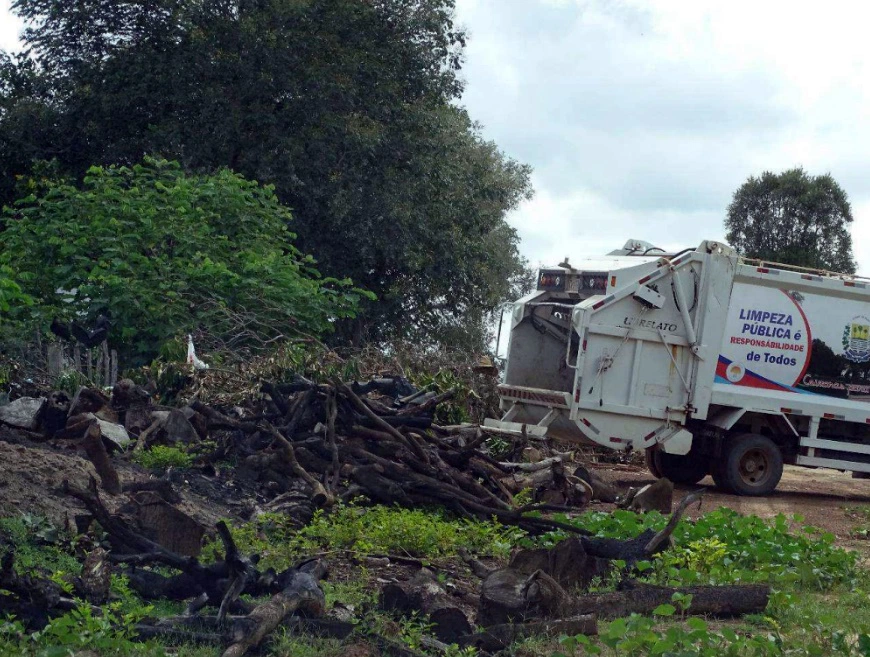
<point x="821" y="496"/>
<point x="31" y="476"/>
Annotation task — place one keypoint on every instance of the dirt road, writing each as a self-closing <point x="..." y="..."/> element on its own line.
<point x="820" y="496"/>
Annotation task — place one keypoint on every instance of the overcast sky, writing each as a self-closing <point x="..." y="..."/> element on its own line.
<point x="642" y="118"/>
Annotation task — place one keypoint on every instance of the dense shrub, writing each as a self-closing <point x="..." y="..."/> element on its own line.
<point x="165" y="253"/>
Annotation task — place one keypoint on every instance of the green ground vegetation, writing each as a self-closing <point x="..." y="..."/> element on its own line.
<point x="818" y="606"/>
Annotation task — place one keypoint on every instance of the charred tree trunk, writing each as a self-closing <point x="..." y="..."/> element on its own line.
<point x="425" y="595"/>
<point x="302" y="593"/>
<point x="637" y="598"/>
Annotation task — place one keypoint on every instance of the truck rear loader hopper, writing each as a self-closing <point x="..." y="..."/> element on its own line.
<point x="711" y="363"/>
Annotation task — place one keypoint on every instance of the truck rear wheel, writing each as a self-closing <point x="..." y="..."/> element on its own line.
<point x="752" y="465"/>
<point x="649" y="456"/>
<point x="688" y="469"/>
<point x="717" y="471"/>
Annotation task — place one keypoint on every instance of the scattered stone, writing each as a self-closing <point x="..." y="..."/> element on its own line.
<point x="22" y="413"/>
<point x="114" y="433"/>
<point x="532" y="455"/>
<point x="179" y="429"/>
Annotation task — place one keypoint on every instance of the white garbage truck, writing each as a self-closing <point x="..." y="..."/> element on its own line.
<point x="710" y="362"/>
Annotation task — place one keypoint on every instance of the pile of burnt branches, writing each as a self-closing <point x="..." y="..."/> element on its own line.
<point x="345" y="441"/>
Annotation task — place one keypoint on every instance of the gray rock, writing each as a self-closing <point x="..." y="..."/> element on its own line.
<point x="22" y="413"/>
<point x="179" y="429"/>
<point x="114" y="433"/>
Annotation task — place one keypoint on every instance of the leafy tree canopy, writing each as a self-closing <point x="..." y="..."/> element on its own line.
<point x="165" y="253"/>
<point x="793" y="218"/>
<point x="348" y="107"/>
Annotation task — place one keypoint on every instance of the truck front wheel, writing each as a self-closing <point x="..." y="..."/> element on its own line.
<point x="752" y="465"/>
<point x="688" y="469"/>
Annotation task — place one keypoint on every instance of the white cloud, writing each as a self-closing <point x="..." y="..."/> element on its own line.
<point x="580" y="223"/>
<point x="10" y="27"/>
<point x="641" y="118"/>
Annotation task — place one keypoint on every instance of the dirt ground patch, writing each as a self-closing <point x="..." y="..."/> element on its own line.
<point x="821" y="496"/>
<point x="31" y="476"/>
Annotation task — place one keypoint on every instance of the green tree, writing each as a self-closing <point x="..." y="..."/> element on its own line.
<point x="793" y="218"/>
<point x="10" y="292"/>
<point x="349" y="108"/>
<point x="166" y="253"/>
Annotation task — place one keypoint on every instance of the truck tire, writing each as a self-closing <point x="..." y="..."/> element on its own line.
<point x="752" y="465"/>
<point x="717" y="471"/>
<point x="649" y="456"/>
<point x="688" y="469"/>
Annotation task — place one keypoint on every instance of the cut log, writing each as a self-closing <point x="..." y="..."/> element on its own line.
<point x="91" y="400"/>
<point x="380" y="423"/>
<point x="535" y="466"/>
<point x="127" y="394"/>
<point x="167" y="525"/>
<point x="96" y="577"/>
<point x="302" y="593"/>
<point x="424" y="594"/>
<point x="277" y="398"/>
<point x="162" y="487"/>
<point x="31" y="599"/>
<point x="319" y="495"/>
<point x="241" y="571"/>
<point x="637" y="598"/>
<point x="534" y="584"/>
<point x="534" y="480"/>
<point x="96" y="451"/>
<point x="154" y="586"/>
<point x="601" y="490"/>
<point x="217" y="420"/>
<point x="332" y="478"/>
<point x="428" y="406"/>
<point x="500" y="637"/>
<point x="509" y="596"/>
<point x="53" y="414"/>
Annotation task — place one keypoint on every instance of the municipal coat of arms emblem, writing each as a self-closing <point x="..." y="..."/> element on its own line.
<point x="856" y="340"/>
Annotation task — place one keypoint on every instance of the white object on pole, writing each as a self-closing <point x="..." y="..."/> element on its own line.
<point x="191" y="356"/>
